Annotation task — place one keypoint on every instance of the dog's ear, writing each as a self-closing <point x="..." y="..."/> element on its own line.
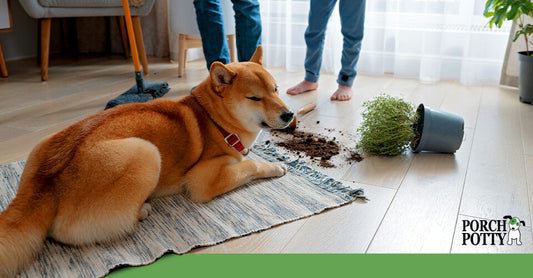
<point x="258" y="55"/>
<point x="523" y="223"/>
<point x="220" y="75"/>
<point x="507" y="217"/>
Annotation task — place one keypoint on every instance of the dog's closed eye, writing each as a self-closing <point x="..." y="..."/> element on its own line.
<point x="254" y="98"/>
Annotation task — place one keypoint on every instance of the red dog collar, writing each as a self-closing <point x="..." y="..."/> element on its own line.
<point x="232" y="140"/>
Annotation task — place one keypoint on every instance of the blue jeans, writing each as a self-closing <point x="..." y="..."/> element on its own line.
<point x="352" y="13"/>
<point x="211" y="24"/>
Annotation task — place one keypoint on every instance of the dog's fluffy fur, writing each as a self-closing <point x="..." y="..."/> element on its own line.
<point x="90" y="182"/>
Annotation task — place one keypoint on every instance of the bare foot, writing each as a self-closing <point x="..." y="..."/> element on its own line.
<point x="343" y="93"/>
<point x="302" y="87"/>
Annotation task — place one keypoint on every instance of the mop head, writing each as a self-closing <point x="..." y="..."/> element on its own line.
<point x="152" y="90"/>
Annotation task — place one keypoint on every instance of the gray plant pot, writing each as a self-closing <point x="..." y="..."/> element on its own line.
<point x="525" y="77"/>
<point x="437" y="131"/>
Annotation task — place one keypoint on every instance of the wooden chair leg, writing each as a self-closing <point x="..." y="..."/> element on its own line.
<point x="185" y="57"/>
<point x="181" y="54"/>
<point x="3" y="67"/>
<point x="232" y="48"/>
<point x="140" y="42"/>
<point x="45" y="46"/>
<point x="123" y="36"/>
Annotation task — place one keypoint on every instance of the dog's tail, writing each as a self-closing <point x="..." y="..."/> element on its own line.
<point x="23" y="229"/>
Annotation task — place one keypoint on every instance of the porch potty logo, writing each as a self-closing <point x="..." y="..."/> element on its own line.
<point x="492" y="232"/>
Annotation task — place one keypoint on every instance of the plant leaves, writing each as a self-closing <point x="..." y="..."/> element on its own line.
<point x="513" y="13"/>
<point x="386" y="128"/>
<point x="488" y="7"/>
<point x="499" y="17"/>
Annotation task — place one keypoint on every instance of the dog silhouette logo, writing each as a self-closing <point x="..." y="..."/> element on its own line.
<point x="514" y="229"/>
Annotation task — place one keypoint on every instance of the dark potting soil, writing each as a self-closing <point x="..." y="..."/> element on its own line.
<point x="318" y="148"/>
<point x="355" y="157"/>
<point x="312" y="145"/>
<point x="418" y="126"/>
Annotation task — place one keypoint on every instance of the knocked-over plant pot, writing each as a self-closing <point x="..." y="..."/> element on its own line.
<point x="437" y="131"/>
<point x="526" y="77"/>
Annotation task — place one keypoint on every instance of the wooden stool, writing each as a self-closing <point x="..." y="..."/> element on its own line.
<point x="185" y="42"/>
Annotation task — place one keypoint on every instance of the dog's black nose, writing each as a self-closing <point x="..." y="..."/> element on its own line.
<point x="287" y="116"/>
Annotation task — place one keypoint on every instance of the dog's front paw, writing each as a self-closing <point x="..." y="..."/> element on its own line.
<point x="144" y="211"/>
<point x="278" y="169"/>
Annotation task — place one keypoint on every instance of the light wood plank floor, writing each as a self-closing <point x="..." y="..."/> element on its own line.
<point x="418" y="202"/>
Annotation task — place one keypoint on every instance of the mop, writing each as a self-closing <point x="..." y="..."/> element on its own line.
<point x="144" y="90"/>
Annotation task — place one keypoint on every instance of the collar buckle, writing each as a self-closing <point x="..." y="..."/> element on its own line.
<point x="232" y="140"/>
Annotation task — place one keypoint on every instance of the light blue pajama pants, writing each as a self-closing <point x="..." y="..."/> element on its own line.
<point x="352" y="14"/>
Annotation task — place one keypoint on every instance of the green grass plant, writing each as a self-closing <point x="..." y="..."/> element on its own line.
<point x="387" y="126"/>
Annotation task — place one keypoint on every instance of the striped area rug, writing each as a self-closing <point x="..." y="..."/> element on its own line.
<point x="178" y="225"/>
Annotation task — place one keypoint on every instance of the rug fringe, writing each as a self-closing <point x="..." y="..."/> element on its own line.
<point x="299" y="167"/>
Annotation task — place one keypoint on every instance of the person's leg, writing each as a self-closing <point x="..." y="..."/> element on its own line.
<point x="352" y="15"/>
<point x="247" y="28"/>
<point x="315" y="34"/>
<point x="211" y="25"/>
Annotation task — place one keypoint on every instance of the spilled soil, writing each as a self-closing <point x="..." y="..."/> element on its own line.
<point x="314" y="146"/>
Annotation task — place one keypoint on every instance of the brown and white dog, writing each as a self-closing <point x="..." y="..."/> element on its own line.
<point x="91" y="181"/>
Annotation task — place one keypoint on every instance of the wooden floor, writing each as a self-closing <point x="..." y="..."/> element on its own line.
<point x="418" y="202"/>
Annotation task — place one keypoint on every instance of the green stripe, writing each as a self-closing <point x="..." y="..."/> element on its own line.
<point x="324" y="265"/>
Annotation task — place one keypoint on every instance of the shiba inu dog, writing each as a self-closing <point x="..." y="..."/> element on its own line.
<point x="91" y="181"/>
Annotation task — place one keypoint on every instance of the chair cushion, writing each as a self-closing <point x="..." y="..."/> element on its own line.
<point x="82" y="8"/>
<point x="82" y="3"/>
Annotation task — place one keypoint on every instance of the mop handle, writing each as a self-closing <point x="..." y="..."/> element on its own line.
<point x="131" y="35"/>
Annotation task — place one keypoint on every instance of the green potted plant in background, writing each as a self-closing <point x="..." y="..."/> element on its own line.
<point x="516" y="11"/>
<point x="390" y="126"/>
